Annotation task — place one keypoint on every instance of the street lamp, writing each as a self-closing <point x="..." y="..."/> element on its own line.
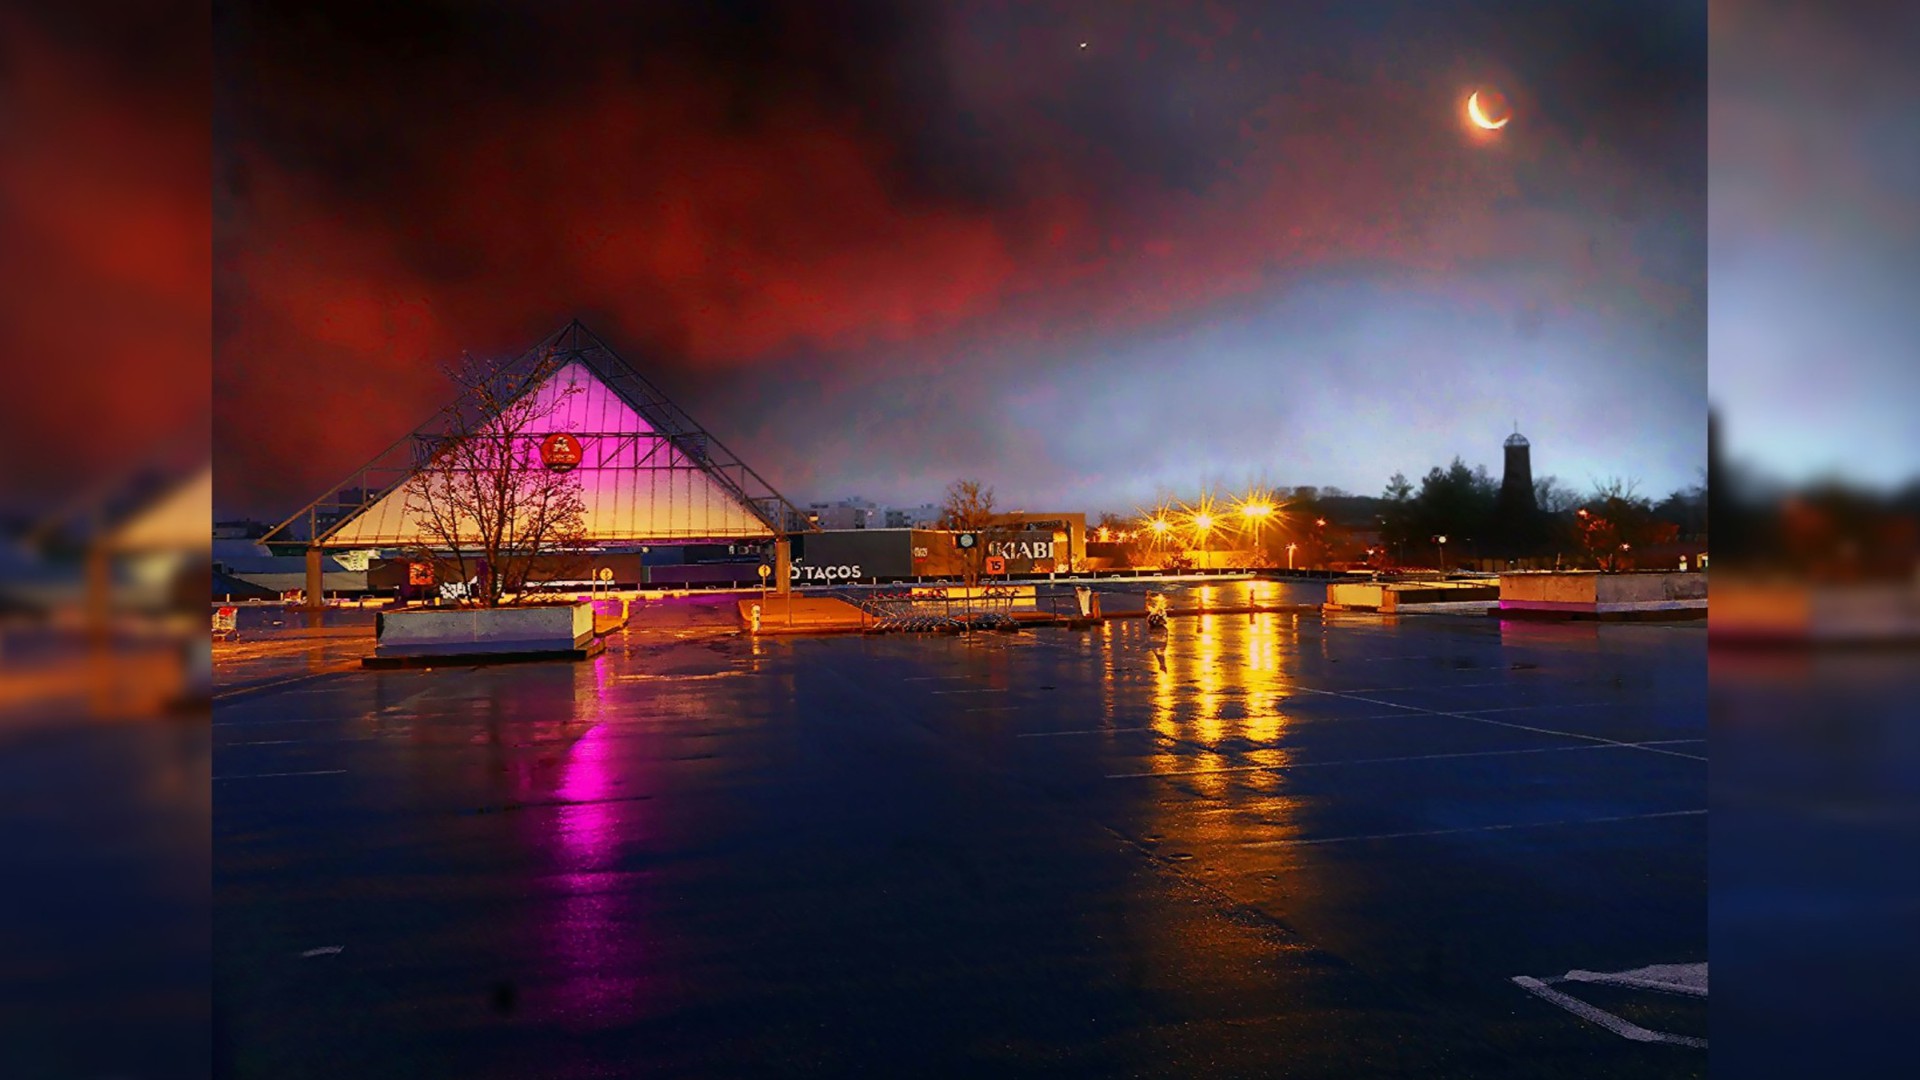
<point x="1290" y="548"/>
<point x="1254" y="514"/>
<point x="1440" y="544"/>
<point x="1202" y="525"/>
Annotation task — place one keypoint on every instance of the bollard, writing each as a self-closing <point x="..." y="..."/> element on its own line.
<point x="756" y="618"/>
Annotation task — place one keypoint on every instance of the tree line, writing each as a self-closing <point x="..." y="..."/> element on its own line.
<point x="1612" y="526"/>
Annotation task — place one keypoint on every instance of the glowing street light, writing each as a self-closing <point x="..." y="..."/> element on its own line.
<point x="1290" y="548"/>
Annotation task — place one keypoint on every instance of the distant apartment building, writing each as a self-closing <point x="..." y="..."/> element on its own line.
<point x="924" y="516"/>
<point x="854" y="513"/>
<point x="858" y="513"/>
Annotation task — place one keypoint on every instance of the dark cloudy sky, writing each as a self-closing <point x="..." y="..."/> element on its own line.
<point x="875" y="247"/>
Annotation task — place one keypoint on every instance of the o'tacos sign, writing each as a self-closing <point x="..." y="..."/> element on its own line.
<point x="821" y="575"/>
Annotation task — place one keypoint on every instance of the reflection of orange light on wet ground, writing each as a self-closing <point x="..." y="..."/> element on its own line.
<point x="1207" y="679"/>
<point x="1262" y="678"/>
<point x="1213" y="785"/>
<point x="1242" y="833"/>
<point x="1167" y="676"/>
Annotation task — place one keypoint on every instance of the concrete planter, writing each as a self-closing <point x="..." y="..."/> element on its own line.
<point x="1411" y="596"/>
<point x="542" y="630"/>
<point x="1587" y="594"/>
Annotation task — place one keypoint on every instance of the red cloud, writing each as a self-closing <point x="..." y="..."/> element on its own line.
<point x="685" y="234"/>
<point x="103" y="200"/>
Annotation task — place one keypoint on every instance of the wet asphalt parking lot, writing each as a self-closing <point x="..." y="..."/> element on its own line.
<point x="1269" y="845"/>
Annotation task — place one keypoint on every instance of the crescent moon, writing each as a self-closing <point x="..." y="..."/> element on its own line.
<point x="1479" y="118"/>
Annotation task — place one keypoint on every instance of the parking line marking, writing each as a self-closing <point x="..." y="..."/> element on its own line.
<point x="269" y="775"/>
<point x="1626" y="1029"/>
<point x="1687" y="979"/>
<point x="1388" y="760"/>
<point x="1310" y="841"/>
<point x="1082" y="731"/>
<point x="976" y="690"/>
<point x="1422" y="686"/>
<point x="296" y="742"/>
<point x="1583" y="705"/>
<point x="324" y="950"/>
<point x="1649" y="748"/>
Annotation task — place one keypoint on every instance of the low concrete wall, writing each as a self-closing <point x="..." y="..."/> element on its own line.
<point x="1547" y="591"/>
<point x="1395" y="596"/>
<point x="1589" y="594"/>
<point x="1356" y="595"/>
<point x="1436" y="593"/>
<point x="1621" y="591"/>
<point x="461" y="631"/>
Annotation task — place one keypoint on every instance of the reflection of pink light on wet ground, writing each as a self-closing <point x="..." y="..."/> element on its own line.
<point x="596" y="944"/>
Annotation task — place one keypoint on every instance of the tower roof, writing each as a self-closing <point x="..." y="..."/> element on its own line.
<point x="1516" y="439"/>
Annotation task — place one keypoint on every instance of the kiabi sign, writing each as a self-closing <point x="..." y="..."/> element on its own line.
<point x="1021" y="549"/>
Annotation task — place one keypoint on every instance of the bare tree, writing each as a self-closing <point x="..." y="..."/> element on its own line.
<point x="1616" y="523"/>
<point x="1552" y="496"/>
<point x="493" y="496"/>
<point x="969" y="509"/>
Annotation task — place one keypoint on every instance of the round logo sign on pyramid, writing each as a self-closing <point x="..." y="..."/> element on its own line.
<point x="560" y="451"/>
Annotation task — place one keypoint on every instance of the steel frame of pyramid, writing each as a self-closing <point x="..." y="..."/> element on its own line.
<point x="697" y="451"/>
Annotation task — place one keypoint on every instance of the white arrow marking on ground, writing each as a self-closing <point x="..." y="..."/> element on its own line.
<point x="1690" y="979"/>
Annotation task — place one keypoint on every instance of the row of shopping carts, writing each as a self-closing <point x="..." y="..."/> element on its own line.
<point x="932" y="610"/>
